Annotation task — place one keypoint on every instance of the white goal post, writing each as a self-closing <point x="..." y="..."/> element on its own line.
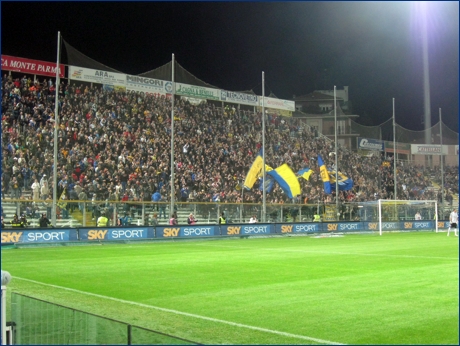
<point x="404" y="210"/>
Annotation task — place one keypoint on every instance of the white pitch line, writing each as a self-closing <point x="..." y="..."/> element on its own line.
<point x="329" y="252"/>
<point x="320" y="341"/>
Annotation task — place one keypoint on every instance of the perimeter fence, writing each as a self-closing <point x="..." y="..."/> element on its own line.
<point x="38" y="322"/>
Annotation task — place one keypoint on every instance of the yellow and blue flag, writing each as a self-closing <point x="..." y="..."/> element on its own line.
<point x="287" y="180"/>
<point x="305" y="173"/>
<point x="324" y="175"/>
<point x="267" y="169"/>
<point x="345" y="183"/>
<point x="253" y="173"/>
<point x="269" y="182"/>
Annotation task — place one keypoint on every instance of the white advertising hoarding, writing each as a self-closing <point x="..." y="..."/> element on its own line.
<point x="148" y="85"/>
<point x="241" y="98"/>
<point x="96" y="76"/>
<point x="271" y="102"/>
<point x="428" y="149"/>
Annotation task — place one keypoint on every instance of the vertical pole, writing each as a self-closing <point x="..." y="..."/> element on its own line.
<point x="171" y="210"/>
<point x="264" y="205"/>
<point x="3" y="308"/>
<point x="442" y="164"/>
<point x="56" y="125"/>
<point x="115" y="214"/>
<point x="436" y="215"/>
<point x="394" y="151"/>
<point x="426" y="81"/>
<point x="143" y="213"/>
<point x="242" y="203"/>
<point x="336" y="158"/>
<point x="380" y="216"/>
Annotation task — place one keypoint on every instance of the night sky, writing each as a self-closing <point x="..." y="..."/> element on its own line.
<point x="374" y="48"/>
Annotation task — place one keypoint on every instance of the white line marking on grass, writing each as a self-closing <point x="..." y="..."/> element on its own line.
<point x="330" y="252"/>
<point x="320" y="341"/>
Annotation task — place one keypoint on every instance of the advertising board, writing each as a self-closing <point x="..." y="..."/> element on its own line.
<point x="252" y="229"/>
<point x="275" y="103"/>
<point x="298" y="228"/>
<point x="370" y="144"/>
<point x="428" y="149"/>
<point x="148" y="85"/>
<point x="187" y="231"/>
<point x="237" y="97"/>
<point x="51" y="235"/>
<point x="119" y="233"/>
<point x="197" y="91"/>
<point x="38" y="67"/>
<point x="96" y="76"/>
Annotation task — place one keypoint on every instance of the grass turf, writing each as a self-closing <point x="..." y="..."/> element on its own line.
<point x="400" y="288"/>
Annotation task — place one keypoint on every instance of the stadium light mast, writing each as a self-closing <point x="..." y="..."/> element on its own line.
<point x="56" y="125"/>
<point x="441" y="162"/>
<point x="426" y="75"/>
<point x="336" y="158"/>
<point x="171" y="210"/>
<point x="394" y="151"/>
<point x="264" y="194"/>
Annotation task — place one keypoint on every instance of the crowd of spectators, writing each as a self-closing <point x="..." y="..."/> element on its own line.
<point x="115" y="146"/>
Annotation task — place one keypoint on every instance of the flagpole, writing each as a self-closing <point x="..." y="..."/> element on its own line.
<point x="56" y="125"/>
<point x="394" y="151"/>
<point x="336" y="158"/>
<point x="442" y="163"/>
<point x="242" y="203"/>
<point x="171" y="210"/>
<point x="264" y="204"/>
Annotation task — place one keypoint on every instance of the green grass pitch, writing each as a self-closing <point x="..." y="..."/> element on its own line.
<point x="399" y="288"/>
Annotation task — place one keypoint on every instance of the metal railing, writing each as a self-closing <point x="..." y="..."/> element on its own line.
<point x="86" y="213"/>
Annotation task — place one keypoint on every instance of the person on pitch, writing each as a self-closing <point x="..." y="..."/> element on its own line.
<point x="453" y="219"/>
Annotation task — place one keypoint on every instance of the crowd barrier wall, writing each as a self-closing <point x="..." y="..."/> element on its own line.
<point x="89" y="234"/>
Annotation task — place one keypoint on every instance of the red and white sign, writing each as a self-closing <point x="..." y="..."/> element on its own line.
<point x="38" y="67"/>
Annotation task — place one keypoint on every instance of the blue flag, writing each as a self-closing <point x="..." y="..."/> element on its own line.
<point x="269" y="182"/>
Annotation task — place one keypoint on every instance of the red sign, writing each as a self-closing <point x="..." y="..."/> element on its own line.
<point x="42" y="68"/>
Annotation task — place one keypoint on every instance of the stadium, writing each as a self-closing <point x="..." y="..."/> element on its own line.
<point x="183" y="213"/>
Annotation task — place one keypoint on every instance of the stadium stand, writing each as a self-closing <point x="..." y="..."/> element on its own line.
<point x="115" y="146"/>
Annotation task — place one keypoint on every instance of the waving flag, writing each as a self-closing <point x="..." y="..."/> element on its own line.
<point x="324" y="175"/>
<point x="345" y="183"/>
<point x="305" y="173"/>
<point x="287" y="180"/>
<point x="267" y="169"/>
<point x="256" y="167"/>
<point x="269" y="182"/>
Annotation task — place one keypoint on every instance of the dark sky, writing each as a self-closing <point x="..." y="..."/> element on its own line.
<point x="373" y="47"/>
